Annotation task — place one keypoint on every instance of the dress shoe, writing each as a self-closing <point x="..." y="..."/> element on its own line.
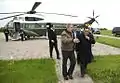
<point x="51" y="57"/>
<point x="70" y="77"/>
<point x="66" y="78"/>
<point x="58" y="58"/>
<point x="82" y="75"/>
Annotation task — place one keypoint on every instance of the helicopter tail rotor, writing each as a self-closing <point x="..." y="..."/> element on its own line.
<point x="96" y="22"/>
<point x="97" y="16"/>
<point x="93" y="19"/>
<point x="90" y="17"/>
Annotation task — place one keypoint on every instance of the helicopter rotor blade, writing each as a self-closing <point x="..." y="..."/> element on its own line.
<point x="40" y="15"/>
<point x="97" y="16"/>
<point x="10" y="16"/>
<point x="97" y="22"/>
<point x="89" y="17"/>
<point x="93" y="13"/>
<point x="58" y="14"/>
<point x="12" y="12"/>
<point x="35" y="5"/>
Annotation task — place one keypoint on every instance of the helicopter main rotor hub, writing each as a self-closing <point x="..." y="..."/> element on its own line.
<point x="31" y="12"/>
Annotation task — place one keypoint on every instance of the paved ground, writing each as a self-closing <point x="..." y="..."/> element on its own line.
<point x="39" y="49"/>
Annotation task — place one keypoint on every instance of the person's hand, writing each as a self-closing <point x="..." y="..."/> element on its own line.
<point x="77" y="52"/>
<point x="87" y="37"/>
<point x="76" y="40"/>
<point x="92" y="45"/>
<point x="52" y="41"/>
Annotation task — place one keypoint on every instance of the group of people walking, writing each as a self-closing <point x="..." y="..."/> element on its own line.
<point x="73" y="40"/>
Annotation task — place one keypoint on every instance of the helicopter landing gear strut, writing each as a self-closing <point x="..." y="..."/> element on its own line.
<point x="28" y="37"/>
<point x="22" y="37"/>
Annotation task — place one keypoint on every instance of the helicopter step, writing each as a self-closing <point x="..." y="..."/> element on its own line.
<point x="16" y="36"/>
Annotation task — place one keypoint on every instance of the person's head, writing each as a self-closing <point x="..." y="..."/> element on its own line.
<point x="69" y="27"/>
<point x="86" y="31"/>
<point x="49" y="25"/>
<point x="75" y="28"/>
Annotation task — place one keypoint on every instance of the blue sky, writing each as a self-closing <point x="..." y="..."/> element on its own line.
<point x="107" y="9"/>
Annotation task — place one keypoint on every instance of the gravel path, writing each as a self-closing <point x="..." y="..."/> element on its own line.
<point x="39" y="49"/>
<point x="76" y="74"/>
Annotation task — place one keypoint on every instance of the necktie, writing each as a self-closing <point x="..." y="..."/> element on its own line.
<point x="75" y="34"/>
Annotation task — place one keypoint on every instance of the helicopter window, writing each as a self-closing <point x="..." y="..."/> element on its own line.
<point x="15" y="18"/>
<point x="21" y="18"/>
<point x="42" y="26"/>
<point x="29" y="19"/>
<point x="32" y="19"/>
<point x="30" y="26"/>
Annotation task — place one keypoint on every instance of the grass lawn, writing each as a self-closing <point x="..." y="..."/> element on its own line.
<point x="28" y="71"/>
<point x="109" y="41"/>
<point x="106" y="69"/>
<point x="106" y="32"/>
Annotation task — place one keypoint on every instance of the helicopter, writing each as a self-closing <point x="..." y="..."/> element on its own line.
<point x="28" y="23"/>
<point x="31" y="23"/>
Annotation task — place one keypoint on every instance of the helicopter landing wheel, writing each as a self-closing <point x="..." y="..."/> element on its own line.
<point x="28" y="37"/>
<point x="22" y="37"/>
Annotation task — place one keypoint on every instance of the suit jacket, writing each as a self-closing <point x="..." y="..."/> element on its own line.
<point x="6" y="31"/>
<point x="67" y="43"/>
<point x="77" y="34"/>
<point x="84" y="47"/>
<point x="52" y="35"/>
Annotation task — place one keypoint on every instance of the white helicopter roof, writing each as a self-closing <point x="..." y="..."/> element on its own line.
<point x="31" y="15"/>
<point x="46" y="18"/>
<point x="21" y="18"/>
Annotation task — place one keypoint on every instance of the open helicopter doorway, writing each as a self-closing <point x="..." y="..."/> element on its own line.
<point x="17" y="26"/>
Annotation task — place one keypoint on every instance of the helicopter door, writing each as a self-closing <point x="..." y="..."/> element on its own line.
<point x="17" y="26"/>
<point x="17" y="30"/>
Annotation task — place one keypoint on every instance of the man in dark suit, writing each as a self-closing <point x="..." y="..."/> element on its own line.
<point x="22" y="34"/>
<point x="6" y="32"/>
<point x="84" y="49"/>
<point x="52" y="40"/>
